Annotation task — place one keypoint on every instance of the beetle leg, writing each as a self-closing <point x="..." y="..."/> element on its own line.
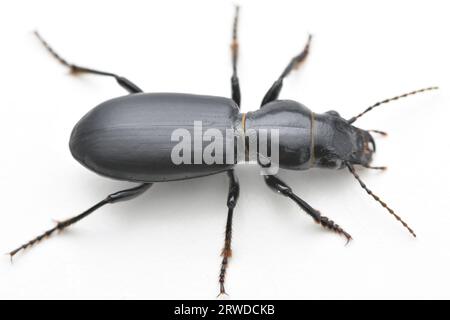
<point x="295" y="62"/>
<point x="235" y="88"/>
<point x="122" y="195"/>
<point x="233" y="191"/>
<point x="233" y="195"/>
<point x="122" y="81"/>
<point x="279" y="186"/>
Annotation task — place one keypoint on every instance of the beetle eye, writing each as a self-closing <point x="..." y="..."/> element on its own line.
<point x="333" y="113"/>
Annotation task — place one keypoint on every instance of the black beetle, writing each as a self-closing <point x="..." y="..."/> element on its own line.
<point x="130" y="138"/>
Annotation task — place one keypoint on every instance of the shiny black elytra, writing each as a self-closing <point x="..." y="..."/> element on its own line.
<point x="129" y="138"/>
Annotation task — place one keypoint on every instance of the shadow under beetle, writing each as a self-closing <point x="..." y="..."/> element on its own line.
<point x="129" y="138"/>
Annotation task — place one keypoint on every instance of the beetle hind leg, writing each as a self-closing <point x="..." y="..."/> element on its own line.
<point x="122" y="195"/>
<point x="75" y="69"/>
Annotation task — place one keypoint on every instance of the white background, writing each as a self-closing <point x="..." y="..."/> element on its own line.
<point x="166" y="243"/>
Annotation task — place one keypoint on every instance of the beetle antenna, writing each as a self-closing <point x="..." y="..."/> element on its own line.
<point x="389" y="100"/>
<point x="363" y="185"/>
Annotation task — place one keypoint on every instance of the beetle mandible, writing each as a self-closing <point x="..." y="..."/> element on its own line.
<point x="129" y="138"/>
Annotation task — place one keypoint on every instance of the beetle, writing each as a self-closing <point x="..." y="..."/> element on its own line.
<point x="130" y="138"/>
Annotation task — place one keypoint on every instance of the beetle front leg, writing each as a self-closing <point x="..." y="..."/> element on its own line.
<point x="233" y="195"/>
<point x="122" y="195"/>
<point x="275" y="89"/>
<point x="122" y="81"/>
<point x="280" y="187"/>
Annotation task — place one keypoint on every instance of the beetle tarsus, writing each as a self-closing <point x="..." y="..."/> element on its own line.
<point x="76" y="69"/>
<point x="222" y="291"/>
<point x="222" y="275"/>
<point x="331" y="225"/>
<point x="45" y="235"/>
<point x="226" y="254"/>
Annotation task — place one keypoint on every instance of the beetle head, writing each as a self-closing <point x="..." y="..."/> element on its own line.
<point x="363" y="147"/>
<point x="338" y="142"/>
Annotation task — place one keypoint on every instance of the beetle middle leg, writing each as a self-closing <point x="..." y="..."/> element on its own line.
<point x="122" y="195"/>
<point x="295" y="62"/>
<point x="279" y="186"/>
<point x="122" y="81"/>
<point x="233" y="191"/>
<point x="235" y="87"/>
